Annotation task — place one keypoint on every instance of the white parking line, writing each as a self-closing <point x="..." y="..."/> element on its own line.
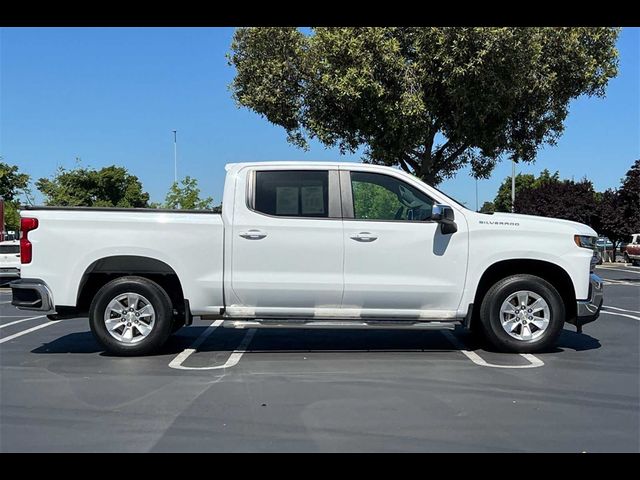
<point x="20" y="321"/>
<point x="607" y="307"/>
<point x="11" y="337"/>
<point x="233" y="359"/>
<point x="621" y="270"/>
<point x="620" y="282"/>
<point x="4" y="303"/>
<point x="534" y="361"/>
<point x="620" y="314"/>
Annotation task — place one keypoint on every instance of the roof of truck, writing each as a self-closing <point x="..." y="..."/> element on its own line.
<point x="306" y="163"/>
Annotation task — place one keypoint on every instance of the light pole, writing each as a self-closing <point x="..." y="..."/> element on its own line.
<point x="175" y="156"/>
<point x="513" y="185"/>
<point x="476" y="194"/>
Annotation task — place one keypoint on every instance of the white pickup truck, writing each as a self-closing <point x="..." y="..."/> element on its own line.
<point x="310" y="245"/>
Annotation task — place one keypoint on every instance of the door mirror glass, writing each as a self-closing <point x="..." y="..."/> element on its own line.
<point x="445" y="216"/>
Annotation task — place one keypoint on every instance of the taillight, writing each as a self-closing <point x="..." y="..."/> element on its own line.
<point x="26" y="248"/>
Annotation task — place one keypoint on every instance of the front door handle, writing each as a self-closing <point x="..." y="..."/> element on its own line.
<point x="253" y="234"/>
<point x="364" y="237"/>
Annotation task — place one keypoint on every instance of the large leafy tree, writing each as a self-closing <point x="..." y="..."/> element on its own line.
<point x="502" y="202"/>
<point x="610" y="217"/>
<point x="187" y="196"/>
<point x="630" y="198"/>
<point x="429" y="100"/>
<point x="565" y="199"/>
<point x="108" y="187"/>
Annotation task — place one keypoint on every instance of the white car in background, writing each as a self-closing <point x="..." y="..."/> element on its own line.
<point x="9" y="261"/>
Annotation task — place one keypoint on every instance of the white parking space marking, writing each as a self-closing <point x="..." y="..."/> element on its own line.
<point x="621" y="270"/>
<point x="20" y="321"/>
<point x="620" y="314"/>
<point x="232" y="361"/>
<point x="608" y="307"/>
<point x="619" y="282"/>
<point x="534" y="361"/>
<point x="3" y="303"/>
<point x="11" y="337"/>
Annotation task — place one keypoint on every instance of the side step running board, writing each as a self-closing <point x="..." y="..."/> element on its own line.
<point x="342" y="324"/>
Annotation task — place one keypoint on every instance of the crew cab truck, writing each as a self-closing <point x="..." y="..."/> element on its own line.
<point x="310" y="245"/>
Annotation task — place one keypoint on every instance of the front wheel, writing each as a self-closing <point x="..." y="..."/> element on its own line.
<point x="131" y="316"/>
<point x="522" y="313"/>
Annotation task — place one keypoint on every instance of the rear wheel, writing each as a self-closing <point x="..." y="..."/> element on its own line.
<point x="131" y="316"/>
<point x="522" y="313"/>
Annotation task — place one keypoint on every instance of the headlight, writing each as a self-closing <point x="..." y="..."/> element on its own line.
<point x="585" y="241"/>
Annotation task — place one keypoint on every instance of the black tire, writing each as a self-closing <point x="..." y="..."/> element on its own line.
<point x="158" y="299"/>
<point x="627" y="259"/>
<point x="499" y="292"/>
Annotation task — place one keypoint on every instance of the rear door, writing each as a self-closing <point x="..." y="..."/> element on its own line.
<point x="287" y="243"/>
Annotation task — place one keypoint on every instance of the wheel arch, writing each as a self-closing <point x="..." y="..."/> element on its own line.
<point x="551" y="272"/>
<point x="108" y="268"/>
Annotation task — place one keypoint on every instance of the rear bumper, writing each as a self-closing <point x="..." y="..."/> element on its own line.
<point x="31" y="294"/>
<point x="589" y="310"/>
<point x="9" y="273"/>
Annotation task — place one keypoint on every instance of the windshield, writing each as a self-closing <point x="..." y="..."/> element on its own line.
<point x="461" y="205"/>
<point x="449" y="197"/>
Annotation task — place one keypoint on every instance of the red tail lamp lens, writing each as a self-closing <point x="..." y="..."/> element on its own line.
<point x="26" y="248"/>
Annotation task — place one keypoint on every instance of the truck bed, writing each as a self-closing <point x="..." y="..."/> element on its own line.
<point x="189" y="243"/>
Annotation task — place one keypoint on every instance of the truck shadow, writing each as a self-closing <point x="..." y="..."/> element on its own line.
<point x="282" y="341"/>
<point x="568" y="339"/>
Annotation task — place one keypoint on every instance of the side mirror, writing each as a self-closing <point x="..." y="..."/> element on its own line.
<point x="444" y="215"/>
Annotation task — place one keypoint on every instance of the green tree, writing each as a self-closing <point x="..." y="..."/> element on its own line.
<point x="430" y="100"/>
<point x="374" y="201"/>
<point x="187" y="197"/>
<point x="108" y="187"/>
<point x="502" y="202"/>
<point x="630" y="198"/>
<point x="13" y="184"/>
<point x="610" y="217"/>
<point x="560" y="199"/>
<point x="487" y="207"/>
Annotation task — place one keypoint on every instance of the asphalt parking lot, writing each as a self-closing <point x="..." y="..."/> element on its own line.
<point x="215" y="389"/>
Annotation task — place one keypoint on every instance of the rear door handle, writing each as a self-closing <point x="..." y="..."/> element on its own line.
<point x="364" y="237"/>
<point x="253" y="234"/>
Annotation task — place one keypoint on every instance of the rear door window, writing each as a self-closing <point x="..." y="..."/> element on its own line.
<point x="292" y="193"/>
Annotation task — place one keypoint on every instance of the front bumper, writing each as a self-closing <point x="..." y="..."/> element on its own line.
<point x="588" y="310"/>
<point x="31" y="294"/>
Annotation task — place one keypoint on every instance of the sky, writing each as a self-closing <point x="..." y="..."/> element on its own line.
<point x="114" y="95"/>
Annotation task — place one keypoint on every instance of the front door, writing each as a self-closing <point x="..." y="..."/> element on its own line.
<point x="287" y="256"/>
<point x="397" y="261"/>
